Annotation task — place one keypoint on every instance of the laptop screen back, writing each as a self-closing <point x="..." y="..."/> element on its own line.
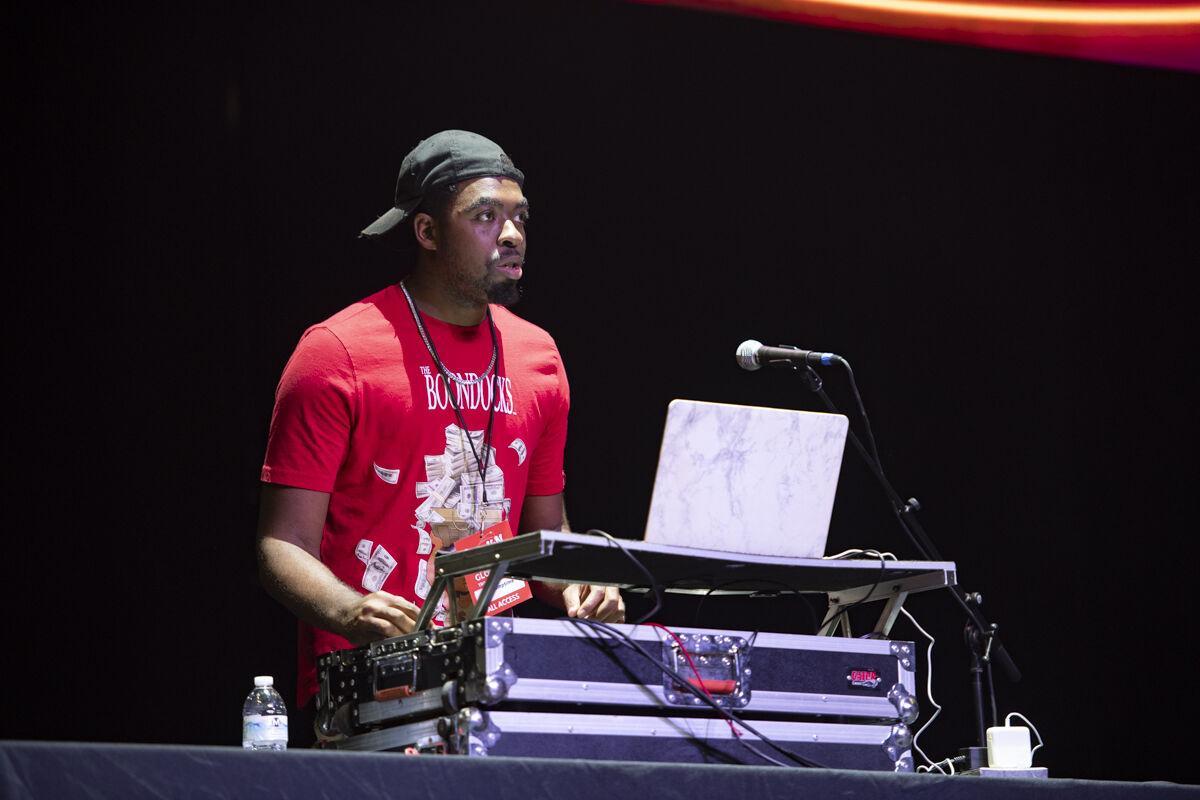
<point x="746" y="479"/>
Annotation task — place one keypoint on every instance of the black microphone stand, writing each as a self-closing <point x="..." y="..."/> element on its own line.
<point x="980" y="635"/>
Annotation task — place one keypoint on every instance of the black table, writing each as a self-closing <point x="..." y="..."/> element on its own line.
<point x="62" y="771"/>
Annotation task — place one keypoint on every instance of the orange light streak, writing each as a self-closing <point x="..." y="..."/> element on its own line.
<point x="1046" y="13"/>
<point x="1155" y="33"/>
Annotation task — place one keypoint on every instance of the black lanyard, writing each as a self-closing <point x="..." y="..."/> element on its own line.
<point x="480" y="463"/>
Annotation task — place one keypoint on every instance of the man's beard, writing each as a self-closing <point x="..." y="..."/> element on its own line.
<point x="504" y="293"/>
<point x="486" y="289"/>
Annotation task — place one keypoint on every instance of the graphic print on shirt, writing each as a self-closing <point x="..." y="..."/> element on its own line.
<point x="481" y="396"/>
<point x="456" y="500"/>
<point x="378" y="568"/>
<point x="387" y="475"/>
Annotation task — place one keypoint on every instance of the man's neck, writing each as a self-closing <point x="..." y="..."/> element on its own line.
<point x="433" y="299"/>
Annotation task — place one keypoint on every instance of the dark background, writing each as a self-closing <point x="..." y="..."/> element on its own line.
<point x="1000" y="243"/>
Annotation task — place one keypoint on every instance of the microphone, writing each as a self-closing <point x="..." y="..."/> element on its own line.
<point x="753" y="355"/>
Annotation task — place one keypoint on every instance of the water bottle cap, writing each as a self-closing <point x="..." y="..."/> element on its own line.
<point x="263" y="680"/>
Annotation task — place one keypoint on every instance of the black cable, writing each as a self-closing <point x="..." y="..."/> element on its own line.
<point x="913" y="529"/>
<point x="631" y="642"/>
<point x="654" y="585"/>
<point x="909" y="524"/>
<point x="865" y="597"/>
<point x="862" y="411"/>
<point x="800" y="595"/>
<point x="628" y="641"/>
<point x="621" y="638"/>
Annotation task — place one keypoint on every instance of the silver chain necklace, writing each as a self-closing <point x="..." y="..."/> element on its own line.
<point x="433" y="353"/>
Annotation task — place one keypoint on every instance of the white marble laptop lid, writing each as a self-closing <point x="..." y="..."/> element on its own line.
<point x="746" y="479"/>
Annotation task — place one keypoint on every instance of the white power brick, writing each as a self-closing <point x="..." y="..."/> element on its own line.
<point x="1008" y="748"/>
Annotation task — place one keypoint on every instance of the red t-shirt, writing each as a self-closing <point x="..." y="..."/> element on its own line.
<point x="363" y="413"/>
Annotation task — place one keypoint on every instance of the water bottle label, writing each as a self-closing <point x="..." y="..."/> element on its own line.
<point x="264" y="728"/>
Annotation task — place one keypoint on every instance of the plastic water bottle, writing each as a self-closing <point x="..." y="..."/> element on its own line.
<point x="264" y="717"/>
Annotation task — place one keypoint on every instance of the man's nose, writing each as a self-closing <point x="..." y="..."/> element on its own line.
<point x="510" y="235"/>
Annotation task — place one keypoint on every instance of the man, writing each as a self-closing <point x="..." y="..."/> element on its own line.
<point x="419" y="415"/>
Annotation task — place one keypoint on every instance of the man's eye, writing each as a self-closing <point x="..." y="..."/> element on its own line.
<point x="485" y="216"/>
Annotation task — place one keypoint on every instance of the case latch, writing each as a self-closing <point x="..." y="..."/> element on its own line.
<point x="723" y="664"/>
<point x="395" y="676"/>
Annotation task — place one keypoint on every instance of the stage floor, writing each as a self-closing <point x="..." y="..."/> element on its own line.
<point x="63" y="770"/>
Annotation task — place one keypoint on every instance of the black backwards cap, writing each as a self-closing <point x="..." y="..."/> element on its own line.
<point x="445" y="158"/>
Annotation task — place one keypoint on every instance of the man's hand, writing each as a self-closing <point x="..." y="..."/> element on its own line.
<point x="582" y="601"/>
<point x="601" y="603"/>
<point x="378" y="615"/>
<point x="289" y="558"/>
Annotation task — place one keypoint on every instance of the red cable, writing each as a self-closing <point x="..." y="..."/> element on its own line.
<point x="700" y="680"/>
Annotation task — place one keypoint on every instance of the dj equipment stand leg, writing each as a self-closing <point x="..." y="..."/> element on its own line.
<point x="489" y="589"/>
<point x="444" y="584"/>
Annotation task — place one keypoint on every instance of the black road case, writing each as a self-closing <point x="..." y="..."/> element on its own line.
<point x="566" y="688"/>
<point x="478" y="732"/>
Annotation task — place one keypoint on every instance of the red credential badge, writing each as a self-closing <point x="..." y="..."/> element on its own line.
<point x="511" y="591"/>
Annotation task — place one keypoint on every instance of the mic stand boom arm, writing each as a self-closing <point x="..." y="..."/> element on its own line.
<point x="984" y="642"/>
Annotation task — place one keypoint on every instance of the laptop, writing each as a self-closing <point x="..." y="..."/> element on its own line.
<point x="746" y="479"/>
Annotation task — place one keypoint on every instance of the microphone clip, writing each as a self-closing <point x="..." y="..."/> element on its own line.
<point x="812" y="379"/>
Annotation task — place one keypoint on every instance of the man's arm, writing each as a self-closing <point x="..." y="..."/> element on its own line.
<point x="289" y="563"/>
<point x="603" y="603"/>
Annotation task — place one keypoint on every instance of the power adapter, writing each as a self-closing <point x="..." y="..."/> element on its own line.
<point x="1009" y="755"/>
<point x="1009" y="748"/>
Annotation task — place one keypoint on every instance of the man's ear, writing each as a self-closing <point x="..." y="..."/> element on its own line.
<point x="425" y="229"/>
